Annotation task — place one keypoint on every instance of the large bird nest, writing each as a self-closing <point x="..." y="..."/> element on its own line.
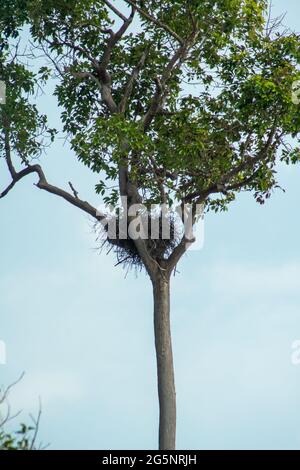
<point x="161" y="234"/>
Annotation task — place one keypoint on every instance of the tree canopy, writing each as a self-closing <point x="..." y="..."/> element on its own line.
<point x="192" y="98"/>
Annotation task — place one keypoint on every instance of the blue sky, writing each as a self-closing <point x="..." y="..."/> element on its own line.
<point x="83" y="333"/>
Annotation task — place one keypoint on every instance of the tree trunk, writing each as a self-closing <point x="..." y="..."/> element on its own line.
<point x="165" y="368"/>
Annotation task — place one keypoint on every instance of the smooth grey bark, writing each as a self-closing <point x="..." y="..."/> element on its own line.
<point x="165" y="367"/>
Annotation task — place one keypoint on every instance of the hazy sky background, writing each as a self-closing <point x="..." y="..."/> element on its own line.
<point x="84" y="334"/>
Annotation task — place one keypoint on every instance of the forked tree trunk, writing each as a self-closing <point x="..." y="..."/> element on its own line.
<point x="165" y="367"/>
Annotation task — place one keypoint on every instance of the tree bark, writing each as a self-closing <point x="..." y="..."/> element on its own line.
<point x="165" y="367"/>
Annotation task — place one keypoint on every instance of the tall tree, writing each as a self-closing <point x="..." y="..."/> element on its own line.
<point x="176" y="102"/>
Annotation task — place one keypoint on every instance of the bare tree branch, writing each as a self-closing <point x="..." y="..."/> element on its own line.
<point x="43" y="184"/>
<point x="131" y="82"/>
<point x="159" y="23"/>
<point x="73" y="190"/>
<point x="36" y="422"/>
<point x="177" y="253"/>
<point x="4" y="401"/>
<point x="73" y="46"/>
<point x="161" y="82"/>
<point x="102" y="74"/>
<point x="7" y="147"/>
<point x="84" y="75"/>
<point x="115" y="10"/>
